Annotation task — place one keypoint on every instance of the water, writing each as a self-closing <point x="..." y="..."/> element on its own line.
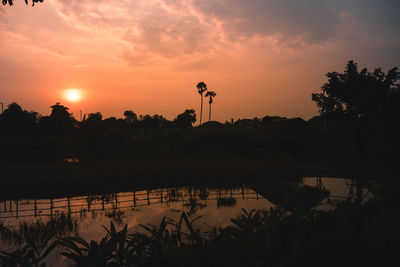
<point x="216" y="205"/>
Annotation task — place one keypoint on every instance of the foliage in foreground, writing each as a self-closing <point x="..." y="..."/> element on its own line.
<point x="351" y="234"/>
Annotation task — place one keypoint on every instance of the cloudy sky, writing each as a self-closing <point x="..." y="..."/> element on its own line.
<point x="261" y="57"/>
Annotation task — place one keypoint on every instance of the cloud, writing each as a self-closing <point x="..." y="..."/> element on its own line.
<point x="311" y="20"/>
<point x="174" y="28"/>
<point x="153" y="27"/>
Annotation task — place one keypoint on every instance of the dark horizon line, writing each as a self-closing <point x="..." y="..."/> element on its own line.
<point x="86" y="114"/>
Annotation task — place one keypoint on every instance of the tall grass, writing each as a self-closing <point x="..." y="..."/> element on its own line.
<point x="31" y="243"/>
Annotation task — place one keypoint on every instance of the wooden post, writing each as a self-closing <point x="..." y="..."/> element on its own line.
<point x="134" y="199"/>
<point x="148" y="197"/>
<point x="243" y="192"/>
<point x="35" y="208"/>
<point x="51" y="207"/>
<point x="10" y="206"/>
<point x="190" y="194"/>
<point x="161" y="195"/>
<point x="5" y="205"/>
<point x="69" y="205"/>
<point x="102" y="203"/>
<point x="16" y="208"/>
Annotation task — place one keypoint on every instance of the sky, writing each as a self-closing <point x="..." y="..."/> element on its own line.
<point x="261" y="57"/>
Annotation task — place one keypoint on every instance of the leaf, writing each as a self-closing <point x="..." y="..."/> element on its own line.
<point x="48" y="250"/>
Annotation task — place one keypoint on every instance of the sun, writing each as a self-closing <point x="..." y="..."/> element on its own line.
<point x="73" y="94"/>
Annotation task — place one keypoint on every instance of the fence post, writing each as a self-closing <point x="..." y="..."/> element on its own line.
<point x="35" y="208"/>
<point x="51" y="207"/>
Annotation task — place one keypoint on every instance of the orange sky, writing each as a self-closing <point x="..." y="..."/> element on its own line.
<point x="261" y="57"/>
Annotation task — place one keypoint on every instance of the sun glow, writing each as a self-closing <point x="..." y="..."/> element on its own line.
<point x="73" y="95"/>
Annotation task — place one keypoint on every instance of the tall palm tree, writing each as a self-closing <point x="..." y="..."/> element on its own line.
<point x="211" y="94"/>
<point x="201" y="88"/>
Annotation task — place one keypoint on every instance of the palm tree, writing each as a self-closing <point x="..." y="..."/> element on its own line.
<point x="211" y="94"/>
<point x="201" y="88"/>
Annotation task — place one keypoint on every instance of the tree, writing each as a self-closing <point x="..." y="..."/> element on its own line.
<point x="201" y="88"/>
<point x="94" y="123"/>
<point x="60" y="112"/>
<point x="355" y="94"/>
<point x="186" y="119"/>
<point x="11" y="2"/>
<point x="152" y="124"/>
<point x="365" y="98"/>
<point x="210" y="94"/>
<point x="15" y="121"/>
<point x="130" y="116"/>
<point x="60" y="121"/>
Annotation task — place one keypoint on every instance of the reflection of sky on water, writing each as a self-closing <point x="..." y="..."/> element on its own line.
<point x="91" y="217"/>
<point x="339" y="189"/>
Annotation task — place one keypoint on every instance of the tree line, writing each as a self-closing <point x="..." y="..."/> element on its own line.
<point x="358" y="110"/>
<point x="15" y="121"/>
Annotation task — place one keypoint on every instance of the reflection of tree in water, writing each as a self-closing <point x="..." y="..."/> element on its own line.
<point x="203" y="195"/>
<point x="117" y="215"/>
<point x="291" y="196"/>
<point x="193" y="204"/>
<point x="357" y="187"/>
<point x="226" y="202"/>
<point x="173" y="195"/>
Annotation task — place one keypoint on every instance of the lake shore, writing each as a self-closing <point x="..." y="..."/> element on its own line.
<point x="22" y="179"/>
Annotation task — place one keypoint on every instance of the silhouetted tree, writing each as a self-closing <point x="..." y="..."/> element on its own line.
<point x="211" y="95"/>
<point x="94" y="122"/>
<point x="95" y="117"/>
<point x="151" y="124"/>
<point x="358" y="94"/>
<point x="363" y="97"/>
<point x="201" y="88"/>
<point x="61" y="121"/>
<point x="186" y="119"/>
<point x="130" y="116"/>
<point x="15" y="121"/>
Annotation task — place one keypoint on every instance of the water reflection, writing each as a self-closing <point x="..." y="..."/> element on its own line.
<point x="109" y="203"/>
<point x="71" y="160"/>
<point x="216" y="205"/>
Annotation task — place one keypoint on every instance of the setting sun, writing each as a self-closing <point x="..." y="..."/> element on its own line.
<point x="73" y="95"/>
